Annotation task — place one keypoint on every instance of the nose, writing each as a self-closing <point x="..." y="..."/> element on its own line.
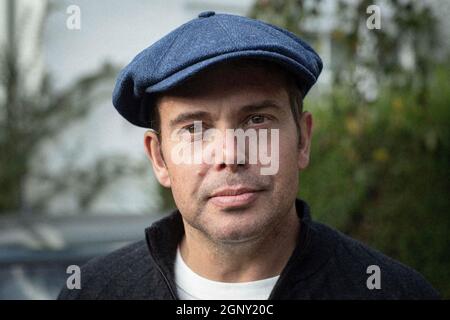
<point x="234" y="156"/>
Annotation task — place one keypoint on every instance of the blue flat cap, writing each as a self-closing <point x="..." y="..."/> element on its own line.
<point x="196" y="45"/>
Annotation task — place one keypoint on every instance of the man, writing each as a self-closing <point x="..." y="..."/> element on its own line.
<point x="239" y="231"/>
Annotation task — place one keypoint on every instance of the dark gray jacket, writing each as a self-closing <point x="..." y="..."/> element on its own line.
<point x="326" y="264"/>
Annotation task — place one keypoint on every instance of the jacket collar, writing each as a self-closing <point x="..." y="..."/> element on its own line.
<point x="310" y="253"/>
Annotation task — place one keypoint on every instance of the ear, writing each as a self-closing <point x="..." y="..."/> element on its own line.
<point x="306" y="126"/>
<point x="154" y="153"/>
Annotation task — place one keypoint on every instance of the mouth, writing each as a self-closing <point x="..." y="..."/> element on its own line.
<point x="234" y="197"/>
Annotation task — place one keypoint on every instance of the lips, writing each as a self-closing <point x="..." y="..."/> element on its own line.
<point x="233" y="191"/>
<point x="234" y="197"/>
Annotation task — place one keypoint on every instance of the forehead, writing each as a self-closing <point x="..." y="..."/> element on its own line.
<point x="226" y="87"/>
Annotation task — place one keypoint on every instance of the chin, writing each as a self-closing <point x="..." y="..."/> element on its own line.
<point x="235" y="226"/>
<point x="235" y="237"/>
<point x="235" y="231"/>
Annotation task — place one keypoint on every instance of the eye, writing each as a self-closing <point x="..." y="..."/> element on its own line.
<point x="257" y="119"/>
<point x="192" y="128"/>
<point x="192" y="131"/>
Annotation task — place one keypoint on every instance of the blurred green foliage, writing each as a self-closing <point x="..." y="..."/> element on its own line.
<point x="381" y="174"/>
<point x="379" y="166"/>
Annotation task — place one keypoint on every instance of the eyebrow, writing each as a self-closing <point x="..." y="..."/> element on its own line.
<point x="189" y="116"/>
<point x="203" y="115"/>
<point x="265" y="104"/>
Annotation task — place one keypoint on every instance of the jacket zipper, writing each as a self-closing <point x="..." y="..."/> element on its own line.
<point x="166" y="280"/>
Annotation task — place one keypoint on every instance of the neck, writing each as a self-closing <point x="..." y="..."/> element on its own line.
<point x="256" y="259"/>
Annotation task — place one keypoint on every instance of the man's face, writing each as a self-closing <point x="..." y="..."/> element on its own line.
<point x="250" y="97"/>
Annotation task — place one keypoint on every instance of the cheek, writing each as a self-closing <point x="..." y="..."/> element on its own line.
<point x="181" y="192"/>
<point x="185" y="181"/>
<point x="288" y="156"/>
<point x="182" y="177"/>
<point x="289" y="151"/>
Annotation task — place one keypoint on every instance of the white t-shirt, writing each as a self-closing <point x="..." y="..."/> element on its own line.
<point x="191" y="286"/>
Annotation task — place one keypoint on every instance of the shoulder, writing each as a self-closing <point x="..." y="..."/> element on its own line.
<point x="112" y="276"/>
<point x="354" y="263"/>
